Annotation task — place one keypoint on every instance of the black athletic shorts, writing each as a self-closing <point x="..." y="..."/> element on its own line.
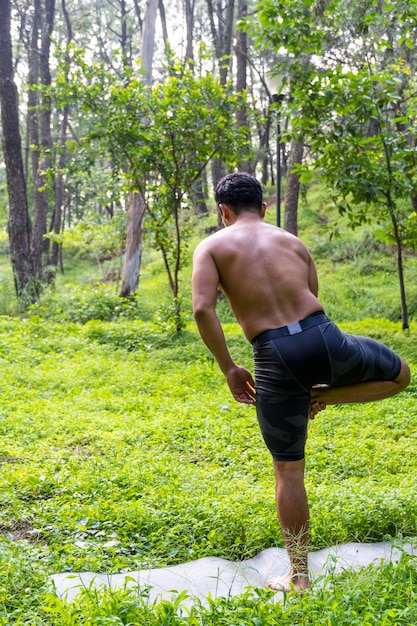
<point x="291" y="359"/>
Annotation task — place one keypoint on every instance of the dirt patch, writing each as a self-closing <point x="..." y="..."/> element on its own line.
<point x="10" y="459"/>
<point x="21" y="530"/>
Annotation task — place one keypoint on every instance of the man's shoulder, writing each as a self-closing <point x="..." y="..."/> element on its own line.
<point x="211" y="242"/>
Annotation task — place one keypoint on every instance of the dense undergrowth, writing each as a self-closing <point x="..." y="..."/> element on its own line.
<point x="121" y="449"/>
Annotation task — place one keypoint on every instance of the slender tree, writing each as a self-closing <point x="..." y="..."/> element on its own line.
<point x="136" y="203"/>
<point x="296" y="20"/>
<point x="199" y="188"/>
<point x="42" y="158"/>
<point x="241" y="52"/>
<point x="19" y="223"/>
<point x="57" y="218"/>
<point x="222" y="23"/>
<point x="292" y="188"/>
<point x="189" y="9"/>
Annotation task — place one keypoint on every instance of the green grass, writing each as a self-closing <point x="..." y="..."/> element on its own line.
<point x="121" y="448"/>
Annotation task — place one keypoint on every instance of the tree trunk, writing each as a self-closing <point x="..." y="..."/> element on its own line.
<point x="59" y="195"/>
<point x="199" y="196"/>
<point x="400" y="267"/>
<point x="57" y="222"/>
<point x="218" y="170"/>
<point x="292" y="189"/>
<point x="222" y="34"/>
<point x="227" y="38"/>
<point x="39" y="244"/>
<point x="241" y="77"/>
<point x="189" y="22"/>
<point x="134" y="228"/>
<point x="163" y="19"/>
<point x="33" y="79"/>
<point x="19" y="223"/>
<point x="124" y="44"/>
<point x="198" y="189"/>
<point x="148" y="40"/>
<point x="133" y="252"/>
<point x="222" y="39"/>
<point x="264" y="149"/>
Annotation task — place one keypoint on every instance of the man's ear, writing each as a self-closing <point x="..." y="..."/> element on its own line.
<point x="225" y="211"/>
<point x="263" y="210"/>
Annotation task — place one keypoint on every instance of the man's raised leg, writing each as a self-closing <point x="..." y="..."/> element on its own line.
<point x="360" y="392"/>
<point x="293" y="514"/>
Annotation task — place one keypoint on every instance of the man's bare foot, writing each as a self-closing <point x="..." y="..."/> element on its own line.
<point x="289" y="582"/>
<point x="316" y="404"/>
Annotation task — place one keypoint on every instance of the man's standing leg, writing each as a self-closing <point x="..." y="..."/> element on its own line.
<point x="293" y="514"/>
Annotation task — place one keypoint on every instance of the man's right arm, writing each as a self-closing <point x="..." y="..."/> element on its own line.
<point x="205" y="284"/>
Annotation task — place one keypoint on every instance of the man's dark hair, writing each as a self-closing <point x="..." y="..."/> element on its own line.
<point x="240" y="191"/>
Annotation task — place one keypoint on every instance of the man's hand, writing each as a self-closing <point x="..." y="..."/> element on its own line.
<point x="241" y="384"/>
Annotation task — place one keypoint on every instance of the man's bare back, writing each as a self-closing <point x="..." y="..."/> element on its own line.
<point x="267" y="274"/>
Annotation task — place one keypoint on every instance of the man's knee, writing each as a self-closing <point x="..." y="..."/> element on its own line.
<point x="404" y="377"/>
<point x="289" y="469"/>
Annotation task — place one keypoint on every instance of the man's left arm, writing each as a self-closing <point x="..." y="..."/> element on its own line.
<point x="313" y="281"/>
<point x="205" y="284"/>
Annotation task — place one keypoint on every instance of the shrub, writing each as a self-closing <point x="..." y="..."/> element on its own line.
<point x="80" y="304"/>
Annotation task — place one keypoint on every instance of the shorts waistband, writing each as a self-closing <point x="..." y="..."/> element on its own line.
<point x="319" y="317"/>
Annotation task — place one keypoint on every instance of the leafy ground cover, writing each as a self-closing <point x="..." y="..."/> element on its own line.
<point x="121" y="450"/>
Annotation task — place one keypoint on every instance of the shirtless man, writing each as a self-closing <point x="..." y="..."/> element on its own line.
<point x="303" y="362"/>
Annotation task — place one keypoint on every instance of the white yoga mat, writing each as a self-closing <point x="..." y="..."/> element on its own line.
<point x="223" y="578"/>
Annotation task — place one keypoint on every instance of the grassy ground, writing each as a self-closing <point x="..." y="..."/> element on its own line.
<point x="121" y="449"/>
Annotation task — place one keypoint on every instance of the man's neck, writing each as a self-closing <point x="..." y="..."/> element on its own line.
<point x="246" y="217"/>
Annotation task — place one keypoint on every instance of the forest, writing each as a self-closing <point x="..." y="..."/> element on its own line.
<point x="121" y="446"/>
<point x="119" y="119"/>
